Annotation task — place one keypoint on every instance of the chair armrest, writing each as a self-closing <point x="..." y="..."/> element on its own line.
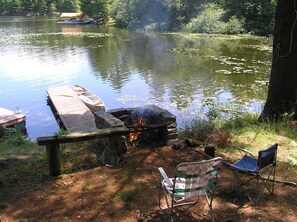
<point x="246" y="151"/>
<point x="164" y="175"/>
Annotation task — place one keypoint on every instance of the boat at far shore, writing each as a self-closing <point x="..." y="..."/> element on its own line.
<point x="10" y="121"/>
<point x="90" y="99"/>
<point x="74" y="19"/>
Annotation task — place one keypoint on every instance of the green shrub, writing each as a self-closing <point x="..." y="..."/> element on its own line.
<point x="213" y="112"/>
<point x="61" y="132"/>
<point x="248" y="119"/>
<point x="210" y="21"/>
<point x="128" y="196"/>
<point x="207" y="22"/>
<point x="234" y="26"/>
<point x="17" y="144"/>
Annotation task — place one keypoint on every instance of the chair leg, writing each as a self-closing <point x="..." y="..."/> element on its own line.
<point x="274" y="168"/>
<point x="160" y="195"/>
<point x="265" y="183"/>
<point x="263" y="180"/>
<point x="209" y="202"/>
<point x="169" y="207"/>
<point x="235" y="178"/>
<point x="260" y="194"/>
<point x="241" y="183"/>
<point x="231" y="184"/>
<point x="165" y="195"/>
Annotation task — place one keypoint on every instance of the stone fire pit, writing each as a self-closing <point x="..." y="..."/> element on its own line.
<point x="149" y="125"/>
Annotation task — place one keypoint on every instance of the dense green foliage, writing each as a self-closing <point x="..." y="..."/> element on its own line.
<point x="258" y="15"/>
<point x="155" y="14"/>
<point x="27" y="7"/>
<point x="95" y="8"/>
<point x="212" y="16"/>
<point x="210" y="21"/>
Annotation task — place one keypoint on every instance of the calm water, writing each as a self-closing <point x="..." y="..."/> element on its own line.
<point x="127" y="69"/>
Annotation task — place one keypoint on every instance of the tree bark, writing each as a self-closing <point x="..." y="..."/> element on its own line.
<point x="282" y="91"/>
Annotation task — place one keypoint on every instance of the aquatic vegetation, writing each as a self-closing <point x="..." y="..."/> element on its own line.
<point x="95" y="46"/>
<point x="227" y="60"/>
<point x="262" y="48"/>
<point x="214" y="36"/>
<point x="266" y="63"/>
<point x="40" y="38"/>
<point x="186" y="51"/>
<point x="223" y="71"/>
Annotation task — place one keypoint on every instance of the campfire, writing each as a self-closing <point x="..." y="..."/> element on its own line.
<point x="136" y="130"/>
<point x="144" y="125"/>
<point x="147" y="125"/>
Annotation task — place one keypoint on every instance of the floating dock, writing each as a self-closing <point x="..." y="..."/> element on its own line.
<point x="10" y="118"/>
<point x="73" y="114"/>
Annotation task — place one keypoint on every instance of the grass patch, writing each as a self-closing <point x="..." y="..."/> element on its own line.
<point x="17" y="144"/>
<point x="215" y="36"/>
<point x="128" y="196"/>
<point x="247" y="132"/>
<point x="240" y="122"/>
<point x="88" y="184"/>
<point x="34" y="168"/>
<point x="292" y="159"/>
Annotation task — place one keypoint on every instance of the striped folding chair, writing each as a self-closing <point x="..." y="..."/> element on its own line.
<point x="191" y="180"/>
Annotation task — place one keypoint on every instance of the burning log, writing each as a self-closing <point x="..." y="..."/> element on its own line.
<point x="138" y="129"/>
<point x="134" y="131"/>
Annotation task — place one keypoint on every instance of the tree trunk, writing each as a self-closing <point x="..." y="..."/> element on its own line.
<point x="282" y="91"/>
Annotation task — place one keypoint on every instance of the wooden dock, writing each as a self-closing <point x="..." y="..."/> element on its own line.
<point x="10" y="118"/>
<point x="73" y="113"/>
<point x="78" y="120"/>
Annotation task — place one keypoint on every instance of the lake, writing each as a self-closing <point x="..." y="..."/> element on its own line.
<point x="177" y="72"/>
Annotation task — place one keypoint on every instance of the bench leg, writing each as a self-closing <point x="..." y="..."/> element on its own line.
<point x="54" y="159"/>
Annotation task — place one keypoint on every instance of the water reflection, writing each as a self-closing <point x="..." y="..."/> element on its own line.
<point x="126" y="68"/>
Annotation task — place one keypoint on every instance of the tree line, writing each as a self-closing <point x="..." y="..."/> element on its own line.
<point x="37" y="7"/>
<point x="196" y="16"/>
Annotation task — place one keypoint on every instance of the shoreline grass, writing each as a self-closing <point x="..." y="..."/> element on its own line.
<point x="244" y="131"/>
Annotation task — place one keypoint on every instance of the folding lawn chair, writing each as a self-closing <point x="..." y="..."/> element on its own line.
<point x="191" y="180"/>
<point x="260" y="168"/>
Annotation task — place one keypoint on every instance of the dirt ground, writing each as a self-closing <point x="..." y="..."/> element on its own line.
<point x="93" y="192"/>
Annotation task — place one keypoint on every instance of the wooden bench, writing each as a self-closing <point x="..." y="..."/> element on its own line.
<point x="52" y="144"/>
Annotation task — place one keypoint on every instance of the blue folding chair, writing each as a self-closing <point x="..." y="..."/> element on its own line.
<point x="260" y="168"/>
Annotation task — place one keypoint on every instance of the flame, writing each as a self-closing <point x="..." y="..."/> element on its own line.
<point x="135" y="135"/>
